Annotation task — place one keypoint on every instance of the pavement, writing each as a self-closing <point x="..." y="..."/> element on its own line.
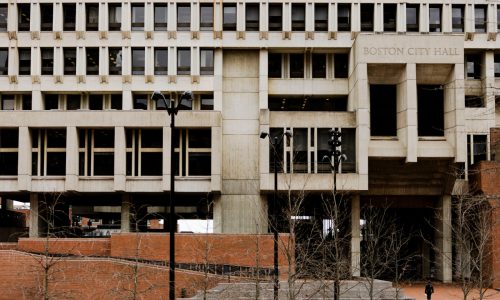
<point x="445" y="292"/>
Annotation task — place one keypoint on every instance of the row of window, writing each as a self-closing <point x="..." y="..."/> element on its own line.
<point x="115" y="62"/>
<point x="294" y="65"/>
<point x="252" y="14"/>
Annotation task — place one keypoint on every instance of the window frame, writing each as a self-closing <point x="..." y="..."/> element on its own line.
<point x="252" y="23"/>
<point x="438" y="23"/>
<point x="23" y="21"/>
<point x="114" y="21"/>
<point x="480" y="25"/>
<point x="69" y="69"/>
<point x="47" y="70"/>
<point x="93" y="69"/>
<point x="344" y="12"/>
<point x="92" y="21"/>
<point x="160" y="68"/>
<point x="207" y="65"/>
<point x="298" y="17"/>
<point x="183" y="25"/>
<point x="87" y="152"/>
<point x="320" y="19"/>
<point x="47" y="13"/>
<point x="183" y="69"/>
<point x="24" y="64"/>
<point x="458" y="26"/>
<point x="229" y="18"/>
<point x="115" y="68"/>
<point x="136" y="19"/>
<point x="160" y="25"/>
<point x="275" y="18"/>
<point x="6" y="152"/>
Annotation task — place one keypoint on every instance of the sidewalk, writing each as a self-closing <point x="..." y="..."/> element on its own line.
<point x="445" y="292"/>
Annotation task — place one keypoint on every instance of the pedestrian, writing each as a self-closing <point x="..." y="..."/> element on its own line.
<point x="429" y="290"/>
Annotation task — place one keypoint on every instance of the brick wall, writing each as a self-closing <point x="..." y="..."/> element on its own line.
<point x="74" y="246"/>
<point x="495" y="241"/>
<point x="487" y="177"/>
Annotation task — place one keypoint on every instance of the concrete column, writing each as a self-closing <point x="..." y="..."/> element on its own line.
<point x="71" y="158"/>
<point x="446" y="18"/>
<point x="36" y="100"/>
<point x="355" y="236"/>
<point x="120" y="159"/>
<point x="424" y="17"/>
<point x="24" y="164"/>
<point x="401" y="17"/>
<point x="125" y="213"/>
<point x="361" y="93"/>
<point x="34" y="216"/>
<point x="218" y="73"/>
<point x="443" y="240"/>
<point x="407" y="112"/>
<point x="263" y="79"/>
<point x="454" y="110"/>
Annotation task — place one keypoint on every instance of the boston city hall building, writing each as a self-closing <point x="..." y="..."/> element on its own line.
<point x="410" y="85"/>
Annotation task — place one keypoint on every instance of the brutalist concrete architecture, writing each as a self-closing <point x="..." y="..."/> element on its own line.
<point x="412" y="85"/>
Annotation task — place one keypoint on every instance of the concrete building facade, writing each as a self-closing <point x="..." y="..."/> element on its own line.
<point x="412" y="85"/>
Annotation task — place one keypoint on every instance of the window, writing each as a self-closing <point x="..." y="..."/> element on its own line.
<point x="229" y="17"/>
<point x="69" y="16"/>
<point x="321" y="17"/>
<point x="8" y="102"/>
<point x="15" y="101"/>
<point x="96" y="102"/>
<point x="477" y="148"/>
<point x="275" y="17"/>
<point x="114" y="16"/>
<point x="341" y="65"/>
<point x="9" y="149"/>
<point x="161" y="61"/>
<point x="69" y="61"/>
<point x="383" y="111"/>
<point x="48" y="152"/>
<point x="183" y="61"/>
<point x="138" y="61"/>
<point x="313" y="103"/>
<point x="498" y="17"/>
<point x="207" y="62"/>
<point x="319" y="65"/>
<point x="457" y="18"/>
<point x="474" y="101"/>
<point x="73" y="102"/>
<point x="142" y="101"/>
<point x="4" y="61"/>
<point x="3" y="17"/>
<point x="116" y="101"/>
<point x="206" y="17"/>
<point x="107" y="101"/>
<point x="115" y="61"/>
<point x="298" y="17"/>
<point x="430" y="110"/>
<point x="297" y="65"/>
<point x="412" y="17"/>
<point x="92" y="61"/>
<point x="252" y="17"/>
<point x="207" y="102"/>
<point x="183" y="17"/>
<point x="47" y="61"/>
<point x="161" y="17"/>
<point x="344" y="17"/>
<point x="274" y="65"/>
<point x="480" y="17"/>
<point x="497" y="65"/>
<point x="46" y="16"/>
<point x="92" y="16"/>
<point x="367" y="16"/>
<point x="24" y="61"/>
<point x="51" y="101"/>
<point x="23" y="17"/>
<point x="434" y="18"/>
<point x="193" y="152"/>
<point x="137" y="17"/>
<point x="473" y="65"/>
<point x="26" y="102"/>
<point x="96" y="152"/>
<point x="61" y="102"/>
<point x="390" y="12"/>
<point x="144" y="152"/>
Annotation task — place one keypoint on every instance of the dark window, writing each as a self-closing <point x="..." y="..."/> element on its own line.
<point x="8" y="102"/>
<point x="92" y="61"/>
<point x="390" y="12"/>
<point x="69" y="61"/>
<point x="207" y="101"/>
<point x="183" y="17"/>
<point x="24" y="61"/>
<point x="300" y="150"/>
<point x="252" y="17"/>
<point x="314" y="103"/>
<point x="96" y="152"/>
<point x="319" y="65"/>
<point x="274" y="65"/>
<point x="297" y="65"/>
<point x="474" y="101"/>
<point x="430" y="110"/>
<point x="480" y="15"/>
<point x="51" y="101"/>
<point x="161" y="17"/>
<point x="473" y="65"/>
<point x="298" y="17"/>
<point x="46" y="16"/>
<point x="199" y="162"/>
<point x="412" y="17"/>
<point x="95" y="102"/>
<point x="161" y="61"/>
<point x="321" y="17"/>
<point x="435" y="18"/>
<point x="9" y="141"/>
<point x="26" y="101"/>
<point x="4" y="61"/>
<point x="140" y="101"/>
<point x="349" y="149"/>
<point x="56" y="159"/>
<point x="115" y="16"/>
<point x="344" y="17"/>
<point x="383" y="110"/>
<point x="341" y="65"/>
<point x="498" y="17"/>
<point x="115" y="61"/>
<point x="367" y="11"/>
<point x="73" y="102"/>
<point x="69" y="16"/>
<point x="137" y="17"/>
<point x="144" y="145"/>
<point x="458" y="18"/>
<point x="116" y="101"/>
<point x="229" y="17"/>
<point x="23" y="15"/>
<point x="276" y="151"/>
<point x="92" y="16"/>
<point x="207" y="62"/>
<point x="138" y="61"/>
<point x="479" y="148"/>
<point x="206" y="17"/>
<point x="497" y="65"/>
<point x="275" y="17"/>
<point x="183" y="61"/>
<point x="3" y="17"/>
<point x="47" y="61"/>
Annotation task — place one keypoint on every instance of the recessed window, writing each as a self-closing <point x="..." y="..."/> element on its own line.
<point x="24" y="61"/>
<point x="430" y="110"/>
<point x="69" y="16"/>
<point x="313" y="103"/>
<point x="23" y="17"/>
<point x="474" y="101"/>
<point x="320" y="17"/>
<point x="161" y="61"/>
<point x="141" y="101"/>
<point x="48" y="152"/>
<point x="274" y="65"/>
<point x="207" y="62"/>
<point x="96" y="102"/>
<point x="69" y="61"/>
<point x="51" y="101"/>
<point x="480" y="12"/>
<point x="3" y="17"/>
<point x="298" y="17"/>
<point x="412" y="17"/>
<point x="183" y="17"/>
<point x="477" y="148"/>
<point x="73" y="102"/>
<point x="92" y="61"/>
<point x="161" y="17"/>
<point x="138" y="61"/>
<point x="473" y="66"/>
<point x="114" y="16"/>
<point x="435" y="18"/>
<point x="15" y="101"/>
<point x="96" y="152"/>
<point x="319" y="65"/>
<point x="252" y="17"/>
<point x="46" y="16"/>
<point x="367" y="11"/>
<point x="383" y="110"/>
<point x="344" y="17"/>
<point x="206" y="17"/>
<point x="229" y="17"/>
<point x="92" y="16"/>
<point x="8" y="102"/>
<point x="47" y="61"/>
<point x="296" y="65"/>
<point x="9" y="149"/>
<point x="275" y="17"/>
<point x="193" y="152"/>
<point x="4" y="61"/>
<point x="137" y="17"/>
<point x="497" y="65"/>
<point x="457" y="18"/>
<point x="116" y="101"/>
<point x="144" y="152"/>
<point x="183" y="61"/>
<point x="341" y="65"/>
<point x="207" y="101"/>
<point x="26" y="101"/>
<point x="498" y="17"/>
<point x="115" y="61"/>
<point x="390" y="12"/>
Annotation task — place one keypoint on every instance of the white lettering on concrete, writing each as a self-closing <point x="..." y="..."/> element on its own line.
<point x="413" y="51"/>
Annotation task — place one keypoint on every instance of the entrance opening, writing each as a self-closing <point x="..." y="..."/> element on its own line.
<point x="383" y="110"/>
<point x="430" y="110"/>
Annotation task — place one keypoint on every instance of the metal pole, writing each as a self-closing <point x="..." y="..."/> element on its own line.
<point x="275" y="221"/>
<point x="172" y="223"/>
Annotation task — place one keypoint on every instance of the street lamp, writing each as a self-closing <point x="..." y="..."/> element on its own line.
<point x="274" y="142"/>
<point x="172" y="110"/>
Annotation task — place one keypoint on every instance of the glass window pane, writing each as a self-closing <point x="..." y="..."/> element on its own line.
<point x="183" y="61"/>
<point x="252" y="17"/>
<point x="152" y="138"/>
<point x="3" y="17"/>
<point x="8" y="163"/>
<point x="200" y="164"/>
<point x="183" y="17"/>
<point x="4" y="61"/>
<point x="161" y="16"/>
<point x="151" y="163"/>
<point x="137" y="17"/>
<point x="69" y="16"/>
<point x="138" y="56"/>
<point x="104" y="164"/>
<point x="72" y="102"/>
<point x="115" y="61"/>
<point x="56" y="163"/>
<point x="161" y="61"/>
<point x="9" y="138"/>
<point x="104" y="138"/>
<point x="206" y="17"/>
<point x="206" y="62"/>
<point x="200" y="138"/>
<point x="207" y="102"/>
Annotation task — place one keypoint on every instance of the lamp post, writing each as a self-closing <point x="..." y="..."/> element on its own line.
<point x="172" y="110"/>
<point x="274" y="142"/>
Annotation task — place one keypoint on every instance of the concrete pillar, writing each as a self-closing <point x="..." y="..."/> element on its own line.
<point x="120" y="159"/>
<point x="407" y="112"/>
<point x="72" y="158"/>
<point x="24" y="161"/>
<point x="443" y="240"/>
<point x="34" y="216"/>
<point x="355" y="236"/>
<point x="125" y="213"/>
